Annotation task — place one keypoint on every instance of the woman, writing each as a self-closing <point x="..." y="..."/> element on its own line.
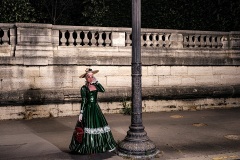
<point x="97" y="136"/>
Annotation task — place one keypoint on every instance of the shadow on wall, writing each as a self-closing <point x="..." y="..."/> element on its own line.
<point x="33" y="96"/>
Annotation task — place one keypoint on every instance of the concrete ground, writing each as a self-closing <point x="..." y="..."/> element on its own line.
<point x="182" y="135"/>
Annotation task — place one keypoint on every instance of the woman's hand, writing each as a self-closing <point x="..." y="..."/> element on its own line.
<point x="80" y="117"/>
<point x="94" y="80"/>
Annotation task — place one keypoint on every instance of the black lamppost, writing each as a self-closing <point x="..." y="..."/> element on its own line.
<point x="136" y="144"/>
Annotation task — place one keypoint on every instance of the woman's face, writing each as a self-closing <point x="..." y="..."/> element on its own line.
<point x="89" y="77"/>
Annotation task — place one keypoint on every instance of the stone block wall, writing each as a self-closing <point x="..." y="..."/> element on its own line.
<point x="39" y="74"/>
<point x="67" y="77"/>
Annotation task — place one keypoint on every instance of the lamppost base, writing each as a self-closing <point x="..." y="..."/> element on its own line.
<point x="140" y="147"/>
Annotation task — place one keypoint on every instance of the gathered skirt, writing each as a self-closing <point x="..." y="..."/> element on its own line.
<point x="97" y="135"/>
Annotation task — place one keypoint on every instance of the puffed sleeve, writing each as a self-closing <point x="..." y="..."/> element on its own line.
<point x="99" y="87"/>
<point x="84" y="98"/>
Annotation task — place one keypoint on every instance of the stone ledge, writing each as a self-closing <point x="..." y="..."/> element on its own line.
<point x="38" y="96"/>
<point x="111" y="61"/>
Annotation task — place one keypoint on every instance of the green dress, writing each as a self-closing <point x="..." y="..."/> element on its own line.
<point x="97" y="137"/>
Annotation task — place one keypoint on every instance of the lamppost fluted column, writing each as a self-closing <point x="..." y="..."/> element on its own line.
<point x="136" y="144"/>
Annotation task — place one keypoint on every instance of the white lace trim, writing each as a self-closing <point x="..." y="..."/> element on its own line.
<point x="97" y="130"/>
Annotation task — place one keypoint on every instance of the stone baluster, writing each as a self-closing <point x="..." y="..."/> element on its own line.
<point x="191" y="41"/>
<point x="78" y="38"/>
<point x="128" y="40"/>
<point x="74" y="38"/>
<point x="85" y="39"/>
<point x="154" y="40"/>
<point x="214" y="41"/>
<point x="5" y="38"/>
<point x="151" y="39"/>
<point x="208" y="41"/>
<point x="63" y="39"/>
<point x="164" y="40"/>
<point x="89" y="35"/>
<point x="202" y="41"/>
<point x="100" y="39"/>
<point x="108" y="40"/>
<point x="160" y="40"/>
<point x="225" y="41"/>
<point x="148" y="41"/>
<point x="167" y="40"/>
<point x="185" y="41"/>
<point x="97" y="37"/>
<point x="70" y="39"/>
<point x="219" y="42"/>
<point x="94" y="40"/>
<point x="197" y="40"/>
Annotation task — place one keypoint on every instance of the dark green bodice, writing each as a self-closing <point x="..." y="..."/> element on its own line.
<point x="90" y="96"/>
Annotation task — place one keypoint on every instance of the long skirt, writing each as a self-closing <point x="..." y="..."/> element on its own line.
<point x="97" y="136"/>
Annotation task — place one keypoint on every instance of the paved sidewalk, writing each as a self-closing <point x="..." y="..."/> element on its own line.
<point x="182" y="135"/>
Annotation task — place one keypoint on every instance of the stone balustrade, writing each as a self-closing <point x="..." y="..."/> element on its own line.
<point x="40" y="66"/>
<point x="205" y="40"/>
<point x="108" y="36"/>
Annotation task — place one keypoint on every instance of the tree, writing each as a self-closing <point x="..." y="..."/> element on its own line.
<point x="53" y="11"/>
<point x="16" y="11"/>
<point x="118" y="14"/>
<point x="94" y="11"/>
<point x="217" y="15"/>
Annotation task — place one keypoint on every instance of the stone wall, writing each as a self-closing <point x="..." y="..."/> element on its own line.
<point x="181" y="70"/>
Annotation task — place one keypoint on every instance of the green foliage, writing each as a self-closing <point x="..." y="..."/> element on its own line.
<point x="118" y="14"/>
<point x="191" y="15"/>
<point x="16" y="11"/>
<point x="127" y="107"/>
<point x="53" y="11"/>
<point x="216" y="15"/>
<point x="94" y="11"/>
